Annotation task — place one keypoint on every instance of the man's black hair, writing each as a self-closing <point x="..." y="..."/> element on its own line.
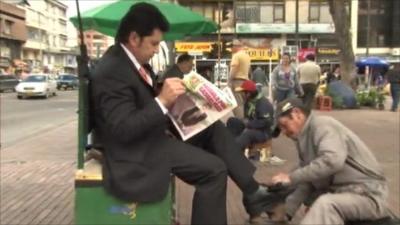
<point x="141" y="18"/>
<point x="310" y="57"/>
<point x="184" y="58"/>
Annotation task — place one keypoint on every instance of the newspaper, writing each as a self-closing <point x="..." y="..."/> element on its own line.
<point x="200" y="106"/>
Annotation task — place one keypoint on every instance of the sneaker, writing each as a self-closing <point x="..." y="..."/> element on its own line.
<point x="275" y="160"/>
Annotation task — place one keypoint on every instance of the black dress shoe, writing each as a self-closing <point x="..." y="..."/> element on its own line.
<point x="263" y="200"/>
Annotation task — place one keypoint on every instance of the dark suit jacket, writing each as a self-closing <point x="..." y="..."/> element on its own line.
<point x="131" y="127"/>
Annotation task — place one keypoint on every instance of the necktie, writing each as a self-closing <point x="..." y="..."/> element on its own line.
<point x="144" y="75"/>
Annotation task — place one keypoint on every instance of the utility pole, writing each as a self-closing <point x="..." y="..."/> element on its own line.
<point x="297" y="32"/>
<point x="219" y="45"/>
<point x="40" y="42"/>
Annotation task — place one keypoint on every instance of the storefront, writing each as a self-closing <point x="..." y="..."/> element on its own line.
<point x="328" y="58"/>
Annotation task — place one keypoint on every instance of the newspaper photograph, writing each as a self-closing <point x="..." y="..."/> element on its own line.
<point x="200" y="106"/>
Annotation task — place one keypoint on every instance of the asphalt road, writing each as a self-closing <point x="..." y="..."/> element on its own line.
<point x="28" y="117"/>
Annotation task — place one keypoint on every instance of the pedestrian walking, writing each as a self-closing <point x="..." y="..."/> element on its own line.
<point x="239" y="72"/>
<point x="393" y="77"/>
<point x="309" y="75"/>
<point x="285" y="82"/>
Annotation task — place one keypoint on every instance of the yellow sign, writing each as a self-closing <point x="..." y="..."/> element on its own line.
<point x="328" y="51"/>
<point x="193" y="46"/>
<point x="263" y="53"/>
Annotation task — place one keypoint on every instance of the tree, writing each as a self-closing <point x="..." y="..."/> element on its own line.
<point x="339" y="10"/>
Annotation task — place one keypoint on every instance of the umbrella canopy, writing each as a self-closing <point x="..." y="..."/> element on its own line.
<point x="105" y="19"/>
<point x="372" y="62"/>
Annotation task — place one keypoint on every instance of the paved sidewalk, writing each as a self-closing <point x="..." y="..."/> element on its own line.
<point x="37" y="186"/>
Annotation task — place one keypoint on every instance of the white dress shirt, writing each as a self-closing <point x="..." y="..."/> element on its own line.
<point x="138" y="66"/>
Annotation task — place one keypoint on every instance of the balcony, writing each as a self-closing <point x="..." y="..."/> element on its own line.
<point x="31" y="44"/>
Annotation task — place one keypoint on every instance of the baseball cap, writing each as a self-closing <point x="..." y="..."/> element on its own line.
<point x="283" y="108"/>
<point x="288" y="104"/>
<point x="247" y="85"/>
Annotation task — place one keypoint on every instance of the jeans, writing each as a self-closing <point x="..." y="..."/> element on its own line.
<point x="395" y="91"/>
<point x="281" y="95"/>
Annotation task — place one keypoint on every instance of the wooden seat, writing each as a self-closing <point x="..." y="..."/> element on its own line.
<point x="324" y="103"/>
<point x="264" y="149"/>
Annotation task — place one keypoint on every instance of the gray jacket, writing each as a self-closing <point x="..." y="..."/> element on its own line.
<point x="282" y="82"/>
<point x="333" y="158"/>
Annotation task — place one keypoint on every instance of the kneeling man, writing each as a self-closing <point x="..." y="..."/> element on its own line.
<point x="336" y="164"/>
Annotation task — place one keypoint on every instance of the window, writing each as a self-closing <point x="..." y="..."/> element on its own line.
<point x="98" y="37"/>
<point x="63" y="41"/>
<point x="5" y="51"/>
<point x="208" y="10"/>
<point x="314" y="12"/>
<point x="248" y="12"/>
<point x="260" y="12"/>
<point x="381" y="23"/>
<point x="318" y="11"/>
<point x="279" y="12"/>
<point x="7" y="27"/>
<point x="34" y="34"/>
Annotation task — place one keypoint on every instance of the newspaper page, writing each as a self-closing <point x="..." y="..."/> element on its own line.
<point x="200" y="106"/>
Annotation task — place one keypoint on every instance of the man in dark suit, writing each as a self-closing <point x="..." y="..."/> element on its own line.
<point x="130" y="119"/>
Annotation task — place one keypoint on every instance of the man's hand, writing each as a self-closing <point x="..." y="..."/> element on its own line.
<point x="281" y="178"/>
<point x="171" y="89"/>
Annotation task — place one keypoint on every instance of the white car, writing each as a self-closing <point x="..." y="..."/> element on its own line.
<point x="37" y="85"/>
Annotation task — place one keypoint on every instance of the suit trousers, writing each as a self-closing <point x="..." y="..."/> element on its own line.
<point x="337" y="208"/>
<point x="205" y="161"/>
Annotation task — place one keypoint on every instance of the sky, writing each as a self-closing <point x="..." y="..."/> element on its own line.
<point x="84" y="5"/>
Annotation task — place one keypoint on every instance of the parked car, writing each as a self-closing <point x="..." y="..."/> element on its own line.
<point x="8" y="82"/>
<point x="37" y="85"/>
<point x="67" y="81"/>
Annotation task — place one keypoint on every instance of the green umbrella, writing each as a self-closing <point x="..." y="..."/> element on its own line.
<point x="183" y="22"/>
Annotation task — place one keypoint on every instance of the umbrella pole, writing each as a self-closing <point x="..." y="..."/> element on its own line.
<point x="83" y="74"/>
<point x="370" y="78"/>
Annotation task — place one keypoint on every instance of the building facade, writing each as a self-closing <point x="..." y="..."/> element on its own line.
<point x="378" y="29"/>
<point x="96" y="43"/>
<point x="266" y="25"/>
<point x="13" y="34"/>
<point x="46" y="47"/>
